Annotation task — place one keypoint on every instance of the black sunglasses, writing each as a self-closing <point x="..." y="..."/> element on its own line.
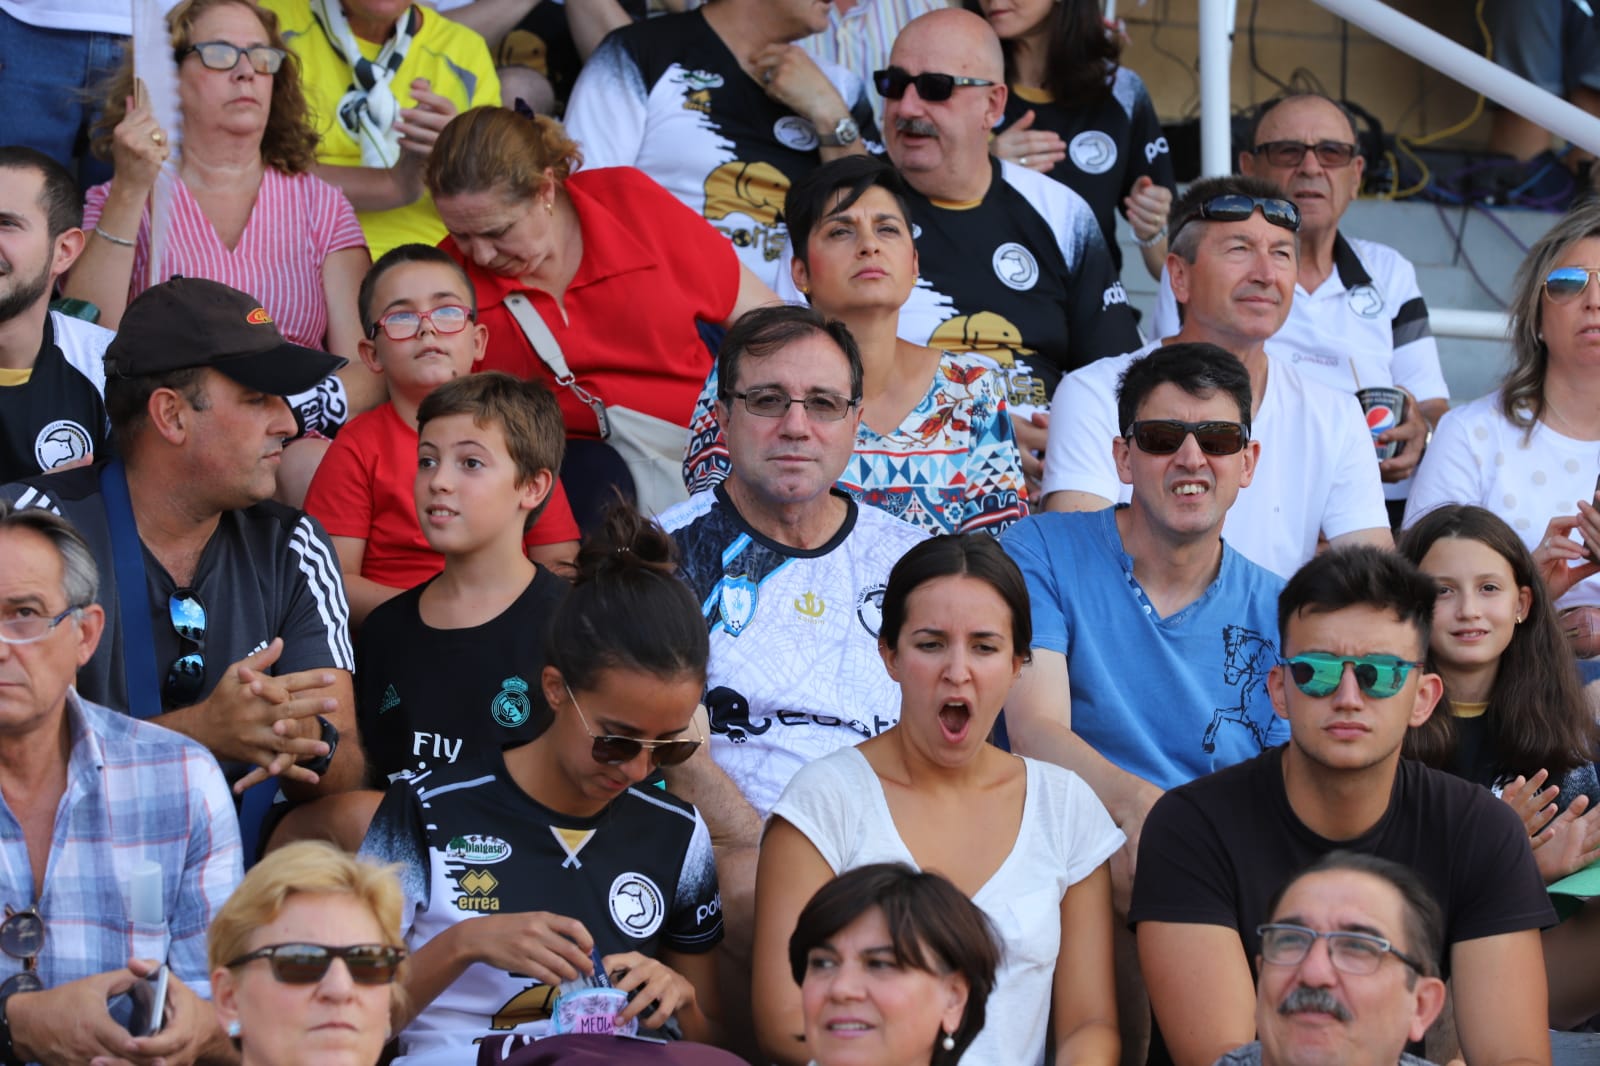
<point x="306" y="964"/>
<point x="1290" y="153"/>
<point x="22" y="937"/>
<point x="1236" y="207"/>
<point x="1163" y="436"/>
<point x="187" y="674"/>
<point x="611" y="750"/>
<point x="932" y="87"/>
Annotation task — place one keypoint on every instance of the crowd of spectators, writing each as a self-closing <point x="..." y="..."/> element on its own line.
<point x="702" y="564"/>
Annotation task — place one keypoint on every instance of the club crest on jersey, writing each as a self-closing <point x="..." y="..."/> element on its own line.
<point x="697" y="85"/>
<point x="1093" y="152"/>
<point x="738" y="604"/>
<point x="796" y="133"/>
<point x="637" y="905"/>
<point x="1365" y="301"/>
<point x="61" y="442"/>
<point x="477" y="849"/>
<point x="1015" y="266"/>
<point x="869" y="608"/>
<point x="511" y="707"/>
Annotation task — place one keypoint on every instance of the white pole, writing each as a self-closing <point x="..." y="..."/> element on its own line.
<point x="1216" y="135"/>
<point x="1460" y="63"/>
<point x="1473" y="325"/>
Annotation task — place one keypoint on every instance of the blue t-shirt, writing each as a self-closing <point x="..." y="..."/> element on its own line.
<point x="1168" y="699"/>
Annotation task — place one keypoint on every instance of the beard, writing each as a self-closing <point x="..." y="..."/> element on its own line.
<point x="19" y="294"/>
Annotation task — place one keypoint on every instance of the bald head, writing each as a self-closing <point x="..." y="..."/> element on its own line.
<point x="958" y="40"/>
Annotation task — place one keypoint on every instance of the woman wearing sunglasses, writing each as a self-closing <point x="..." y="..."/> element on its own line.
<point x="550" y="862"/>
<point x="1027" y="841"/>
<point x="245" y="208"/>
<point x="1527" y="451"/>
<point x="1075" y="113"/>
<point x="304" y="957"/>
<point x="935" y="444"/>
<point x="1517" y="719"/>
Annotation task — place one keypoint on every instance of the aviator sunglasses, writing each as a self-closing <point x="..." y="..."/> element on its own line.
<point x="1380" y="676"/>
<point x="609" y="750"/>
<point x="306" y="964"/>
<point x="22" y="937"/>
<point x="931" y="86"/>
<point x="187" y="674"/>
<point x="1566" y="283"/>
<point x="1163" y="436"/>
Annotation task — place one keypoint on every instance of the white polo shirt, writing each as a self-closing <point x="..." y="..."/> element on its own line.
<point x="1317" y="471"/>
<point x="1366" y="322"/>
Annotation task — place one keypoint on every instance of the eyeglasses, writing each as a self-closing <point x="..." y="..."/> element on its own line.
<point x="774" y="403"/>
<point x="1236" y="207"/>
<point x="187" y="674"/>
<point x="22" y="937"/>
<point x="306" y="964"/>
<point x="610" y="750"/>
<point x="931" y="86"/>
<point x="1318" y="674"/>
<point x="1163" y="436"/>
<point x="220" y="55"/>
<point x="18" y="628"/>
<point x="1357" y="954"/>
<point x="1290" y="153"/>
<point x="1565" y="283"/>
<point x="403" y="325"/>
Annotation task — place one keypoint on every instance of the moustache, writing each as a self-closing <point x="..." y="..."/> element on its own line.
<point x="917" y="127"/>
<point x="1306" y="1000"/>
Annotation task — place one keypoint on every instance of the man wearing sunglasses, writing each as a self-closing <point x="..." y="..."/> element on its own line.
<point x="1347" y="967"/>
<point x="1232" y="264"/>
<point x="1358" y="319"/>
<point x="1353" y="625"/>
<point x="87" y="792"/>
<point x="723" y="109"/>
<point x="227" y="620"/>
<point x="1014" y="265"/>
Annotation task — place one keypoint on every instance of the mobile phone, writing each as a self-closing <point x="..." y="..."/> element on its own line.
<point x="149" y="998"/>
<point x="1593" y="550"/>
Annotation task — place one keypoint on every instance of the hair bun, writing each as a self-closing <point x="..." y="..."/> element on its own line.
<point x="626" y="543"/>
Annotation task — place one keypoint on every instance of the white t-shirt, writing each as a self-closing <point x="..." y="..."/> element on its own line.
<point x="1366" y="323"/>
<point x="1478" y="456"/>
<point x="838" y="803"/>
<point x="1317" y="471"/>
<point x="86" y="16"/>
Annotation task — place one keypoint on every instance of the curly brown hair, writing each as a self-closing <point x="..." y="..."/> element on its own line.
<point x="289" y="143"/>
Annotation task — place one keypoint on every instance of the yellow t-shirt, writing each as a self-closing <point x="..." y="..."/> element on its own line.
<point x="452" y="57"/>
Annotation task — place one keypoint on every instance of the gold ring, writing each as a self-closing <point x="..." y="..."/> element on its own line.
<point x="158" y="136"/>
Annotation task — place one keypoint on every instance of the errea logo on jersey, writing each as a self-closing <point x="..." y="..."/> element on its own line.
<point x="1116" y="294"/>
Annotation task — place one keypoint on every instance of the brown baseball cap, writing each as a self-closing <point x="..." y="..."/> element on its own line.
<point x="194" y="322"/>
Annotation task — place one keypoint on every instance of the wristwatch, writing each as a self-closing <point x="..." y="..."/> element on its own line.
<point x="844" y="134"/>
<point x="330" y="737"/>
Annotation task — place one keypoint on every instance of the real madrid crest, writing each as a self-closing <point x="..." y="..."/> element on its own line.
<point x="511" y="707"/>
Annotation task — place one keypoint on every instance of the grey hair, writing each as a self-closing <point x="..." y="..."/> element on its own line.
<point x="80" y="576"/>
<point x="1522" y="390"/>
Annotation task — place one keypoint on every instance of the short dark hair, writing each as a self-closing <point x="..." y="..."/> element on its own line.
<point x="1360" y="576"/>
<point x="767" y="330"/>
<point x="976" y="555"/>
<point x="807" y="202"/>
<point x="527" y="416"/>
<point x="396" y="256"/>
<point x="1424" y="920"/>
<point x="63" y="207"/>
<point x="128" y="400"/>
<point x="627" y="609"/>
<point x="1185" y="214"/>
<point x="1267" y="107"/>
<point x="932" y="927"/>
<point x="1197" y="368"/>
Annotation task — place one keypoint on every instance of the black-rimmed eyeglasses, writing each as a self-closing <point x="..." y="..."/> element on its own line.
<point x="1331" y="154"/>
<point x="220" y="55"/>
<point x="775" y="403"/>
<point x="1357" y="954"/>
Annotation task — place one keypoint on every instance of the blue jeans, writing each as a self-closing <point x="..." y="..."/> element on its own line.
<point x="51" y="90"/>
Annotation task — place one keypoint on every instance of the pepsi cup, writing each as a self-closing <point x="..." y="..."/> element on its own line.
<point x="1385" y="408"/>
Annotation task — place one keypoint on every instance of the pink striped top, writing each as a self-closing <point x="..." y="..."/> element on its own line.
<point x="297" y="222"/>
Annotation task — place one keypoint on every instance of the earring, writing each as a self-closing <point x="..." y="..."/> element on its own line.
<point x="233" y="1029"/>
<point x="1518" y="620"/>
<point x="948" y="1043"/>
<point x="549" y="207"/>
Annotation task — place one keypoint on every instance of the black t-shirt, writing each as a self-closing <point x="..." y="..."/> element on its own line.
<point x="542" y="41"/>
<point x="56" y="416"/>
<point x="1111" y="143"/>
<point x="430" y="697"/>
<point x="1215" y="851"/>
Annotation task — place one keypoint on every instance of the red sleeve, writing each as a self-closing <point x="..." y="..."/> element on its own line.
<point x="555" y="524"/>
<point x="340" y="496"/>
